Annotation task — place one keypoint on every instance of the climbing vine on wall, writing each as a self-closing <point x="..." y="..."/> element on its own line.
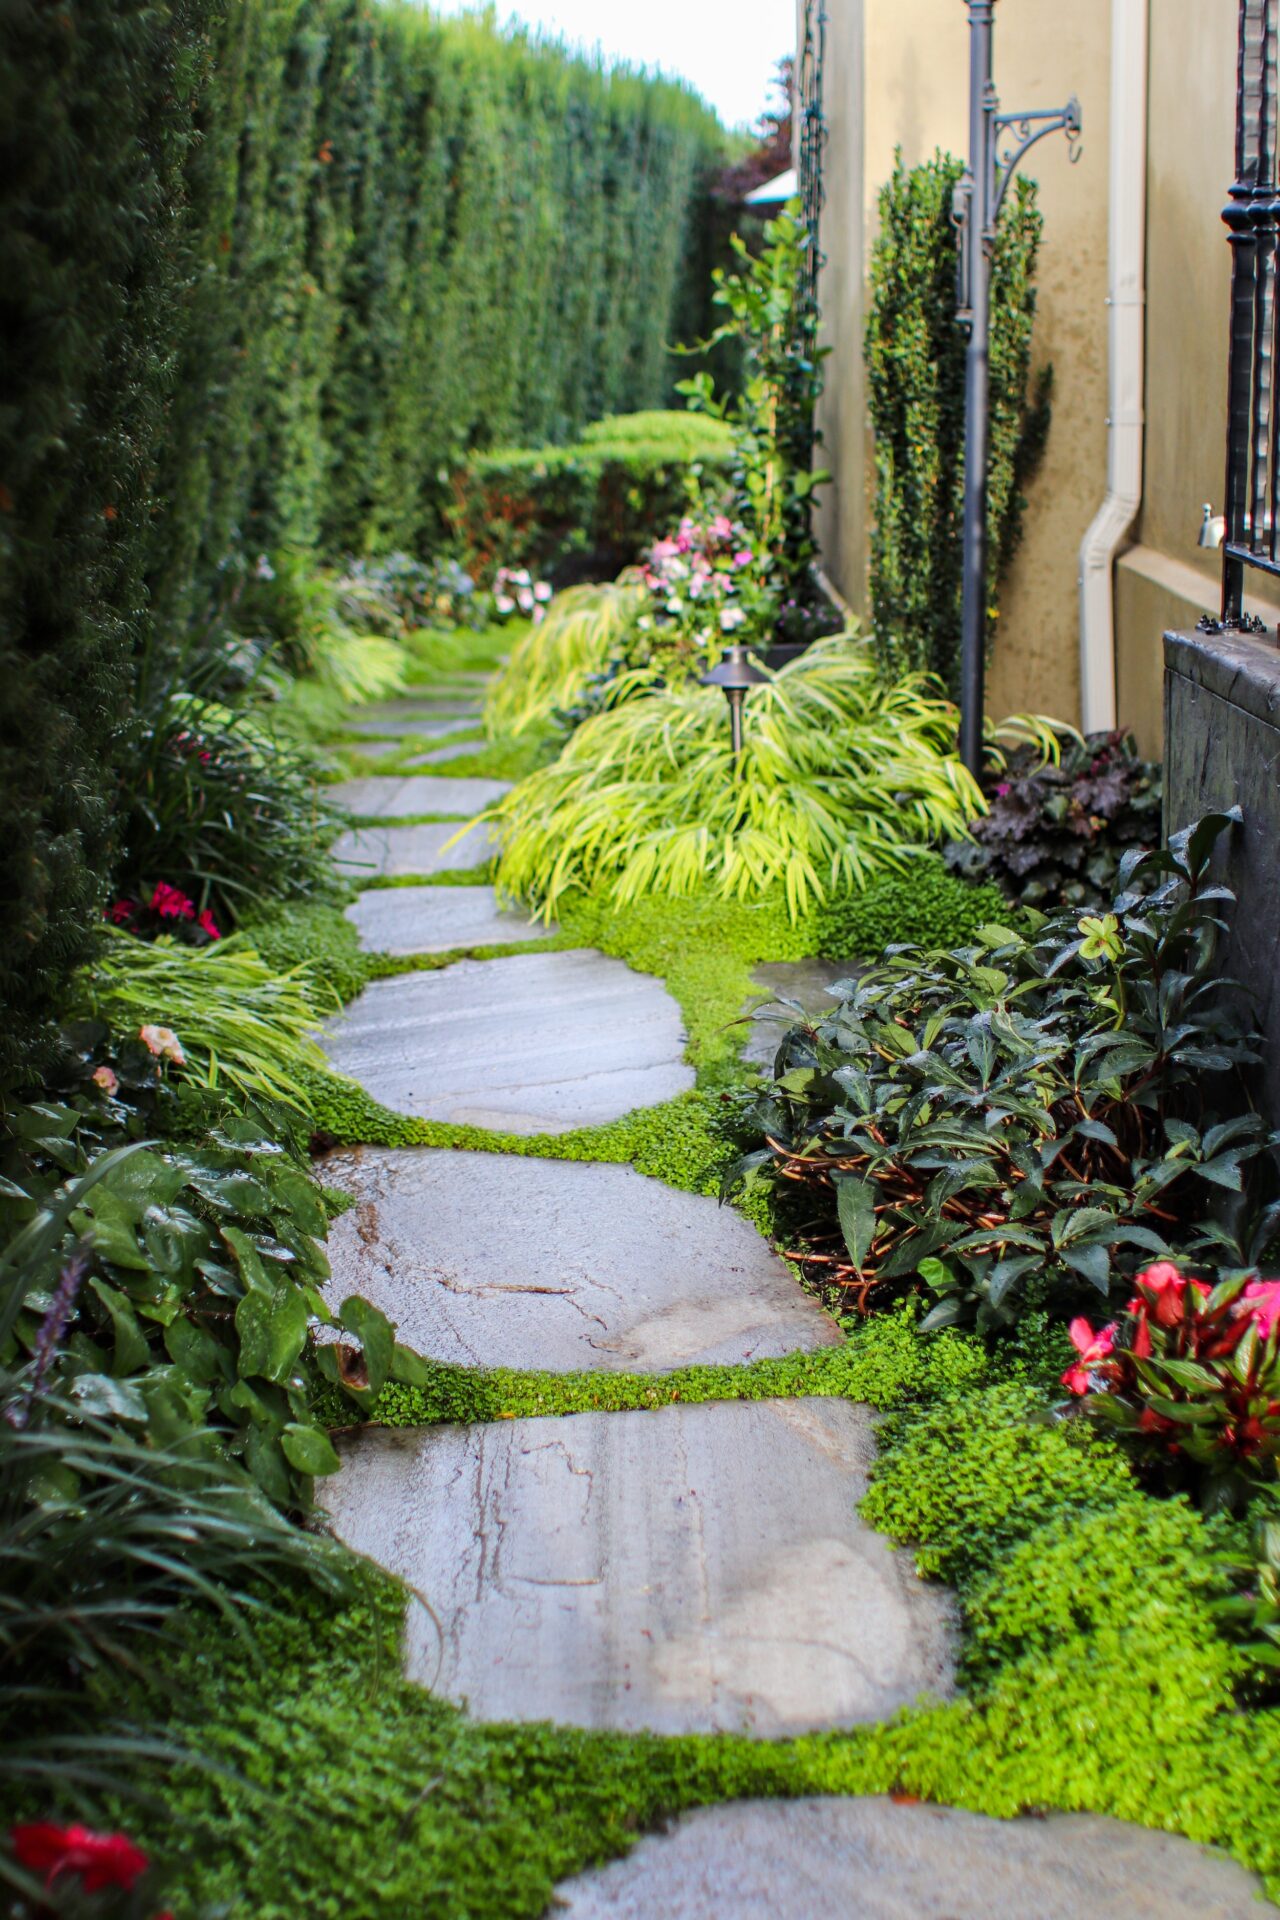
<point x="915" y="372"/>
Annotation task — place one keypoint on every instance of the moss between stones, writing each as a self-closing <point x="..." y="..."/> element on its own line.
<point x="1095" y="1684"/>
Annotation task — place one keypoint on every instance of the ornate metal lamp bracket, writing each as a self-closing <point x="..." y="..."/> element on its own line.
<point x="1015" y="133"/>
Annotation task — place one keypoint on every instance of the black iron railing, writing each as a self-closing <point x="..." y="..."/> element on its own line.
<point x="1252" y="214"/>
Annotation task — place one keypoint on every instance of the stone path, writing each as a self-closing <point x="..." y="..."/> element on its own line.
<point x="366" y="853"/>
<point x="491" y="1261"/>
<point x="699" y="1567"/>
<point x="694" y="1568"/>
<point x="537" y="1043"/>
<point x="390" y="797"/>
<point x="870" y="1859"/>
<point x="437" y="919"/>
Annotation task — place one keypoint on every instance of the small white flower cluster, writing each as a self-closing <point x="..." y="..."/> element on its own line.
<point x="515" y="590"/>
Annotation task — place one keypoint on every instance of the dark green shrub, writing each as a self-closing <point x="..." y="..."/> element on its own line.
<point x="924" y="907"/>
<point x="95" y="124"/>
<point x="915" y="373"/>
<point x="1014" y="1116"/>
<point x="1054" y="836"/>
<point x="592" y="506"/>
<point x="216" y="806"/>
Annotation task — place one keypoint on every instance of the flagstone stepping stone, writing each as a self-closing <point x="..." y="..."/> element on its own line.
<point x="385" y="796"/>
<point x="536" y="1043"/>
<point x="414" y="706"/>
<point x="695" y="1568"/>
<point x="374" y="749"/>
<point x="804" y="980"/>
<point x="365" y="853"/>
<point x="426" y="726"/>
<point x="435" y="919"/>
<point x="490" y="1260"/>
<point x="872" y="1859"/>
<point x="455" y="751"/>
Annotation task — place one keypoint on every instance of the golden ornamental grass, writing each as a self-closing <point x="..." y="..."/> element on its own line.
<point x="841" y="776"/>
<point x="551" y="663"/>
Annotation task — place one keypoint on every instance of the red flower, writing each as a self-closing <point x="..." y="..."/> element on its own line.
<point x="1092" y="1347"/>
<point x="170" y="904"/>
<point x="207" y="925"/>
<point x="1163" y="1287"/>
<point x="122" y="910"/>
<point x="100" y="1859"/>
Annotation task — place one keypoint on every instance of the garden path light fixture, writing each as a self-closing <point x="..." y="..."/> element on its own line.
<point x="736" y="674"/>
<point x="997" y="142"/>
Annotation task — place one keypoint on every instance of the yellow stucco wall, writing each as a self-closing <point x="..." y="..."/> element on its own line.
<point x="898" y="75"/>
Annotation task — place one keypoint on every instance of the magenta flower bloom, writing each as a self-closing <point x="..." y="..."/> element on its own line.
<point x="1263" y="1297"/>
<point x="1092" y="1347"/>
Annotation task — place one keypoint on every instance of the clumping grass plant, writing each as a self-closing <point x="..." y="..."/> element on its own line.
<point x="841" y="775"/>
<point x="552" y="662"/>
<point x="221" y="1013"/>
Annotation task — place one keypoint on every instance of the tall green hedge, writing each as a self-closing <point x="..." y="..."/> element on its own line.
<point x="268" y="270"/>
<point x="915" y="351"/>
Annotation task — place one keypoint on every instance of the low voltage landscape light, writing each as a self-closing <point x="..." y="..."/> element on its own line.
<point x="736" y="674"/>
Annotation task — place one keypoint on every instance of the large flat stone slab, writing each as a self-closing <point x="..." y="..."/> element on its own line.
<point x="490" y="1260"/>
<point x="457" y="750"/>
<point x="435" y="919"/>
<point x="423" y="725"/>
<point x="869" y="1859"/>
<point x="367" y="853"/>
<point x="429" y="703"/>
<point x="387" y="797"/>
<point x="537" y="1043"/>
<point x="694" y="1568"/>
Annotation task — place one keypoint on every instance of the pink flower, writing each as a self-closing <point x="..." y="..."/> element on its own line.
<point x="103" y="1077"/>
<point x="1264" y="1304"/>
<point x="742" y="558"/>
<point x="170" y="904"/>
<point x="1002" y="789"/>
<point x="207" y="924"/>
<point x="543" y="590"/>
<point x="1093" y="1349"/>
<point x="164" y="1043"/>
<point x="722" y="527"/>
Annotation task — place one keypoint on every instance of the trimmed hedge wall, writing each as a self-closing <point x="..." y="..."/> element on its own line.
<point x="587" y="510"/>
<point x="271" y="269"/>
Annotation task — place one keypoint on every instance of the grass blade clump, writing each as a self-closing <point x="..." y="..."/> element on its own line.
<point x="841" y="776"/>
<point x="551" y="662"/>
<point x="238" y="1023"/>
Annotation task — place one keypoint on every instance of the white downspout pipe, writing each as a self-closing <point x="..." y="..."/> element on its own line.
<point x="1125" y="302"/>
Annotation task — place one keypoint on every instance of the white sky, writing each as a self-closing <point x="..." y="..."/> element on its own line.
<point x="728" y="49"/>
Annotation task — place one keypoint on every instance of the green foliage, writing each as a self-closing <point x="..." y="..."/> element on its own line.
<point x="238" y="1024"/>
<point x="95" y="123"/>
<point x="1095" y="1684"/>
<point x="840" y="774"/>
<point x="102" y="1535"/>
<point x="595" y="503"/>
<point x="170" y="1288"/>
<point x="552" y="662"/>
<point x="1250" y="1611"/>
<point x="214" y="804"/>
<point x="1056" y="831"/>
<point x="924" y="906"/>
<point x="883" y="1365"/>
<point x="770" y="320"/>
<point x="915" y="371"/>
<point x="1020" y="1113"/>
<point x="303" y="256"/>
<point x="317" y="937"/>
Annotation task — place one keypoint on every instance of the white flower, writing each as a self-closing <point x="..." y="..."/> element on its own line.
<point x="674" y="604"/>
<point x="543" y="590"/>
<point x="525" y="599"/>
<point x="163" y="1042"/>
<point x="731" y="617"/>
<point x="504" y="603"/>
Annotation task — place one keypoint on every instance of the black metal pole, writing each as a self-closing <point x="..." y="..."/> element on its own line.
<point x="973" y="612"/>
